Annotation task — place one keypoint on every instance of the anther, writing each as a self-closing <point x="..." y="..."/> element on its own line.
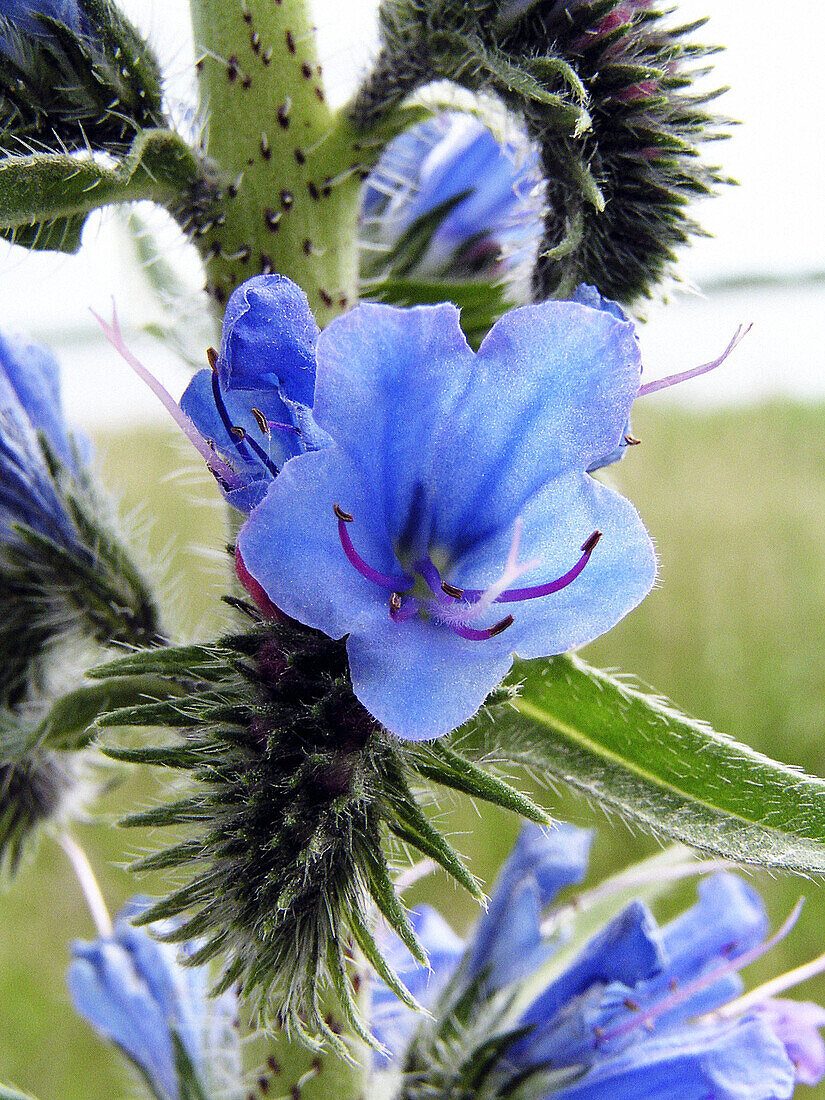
<point x="395" y="603"/>
<point x="632" y="441"/>
<point x="500" y="626"/>
<point x="345" y="517"/>
<point x="451" y="590"/>
<point x="261" y="420"/>
<point x="237" y="430"/>
<point x="589" y="546"/>
<point x="212" y="358"/>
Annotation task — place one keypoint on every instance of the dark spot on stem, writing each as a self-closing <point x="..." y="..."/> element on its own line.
<point x="314" y="193"/>
<point x="300" y="157"/>
<point x="290" y="42"/>
<point x="306" y="71"/>
<point x="326" y="190"/>
<point x="272" y="219"/>
<point x="246" y="83"/>
<point x="232" y="69"/>
<point x="306" y="247"/>
<point x="255" y="42"/>
<point x="287" y="199"/>
<point x="283" y="116"/>
<point x="319" y="95"/>
<point x="267" y="266"/>
<point x="324" y="296"/>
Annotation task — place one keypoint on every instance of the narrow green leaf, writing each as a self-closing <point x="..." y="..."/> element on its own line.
<point x="636" y="753"/>
<point x="68" y="723"/>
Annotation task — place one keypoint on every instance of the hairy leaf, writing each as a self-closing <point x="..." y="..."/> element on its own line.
<point x="636" y="753"/>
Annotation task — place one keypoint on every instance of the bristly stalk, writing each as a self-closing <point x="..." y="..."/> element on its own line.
<point x="607" y="90"/>
<point x="295" y="162"/>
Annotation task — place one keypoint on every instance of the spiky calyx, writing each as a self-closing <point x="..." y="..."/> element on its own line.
<point x="605" y="89"/>
<point x="67" y="91"/>
<point x="296" y="790"/>
<point x="79" y="583"/>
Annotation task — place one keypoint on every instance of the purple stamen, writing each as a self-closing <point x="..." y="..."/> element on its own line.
<point x="694" y="372"/>
<point x="395" y="584"/>
<point x="680" y="994"/>
<point x="473" y="635"/>
<point x="402" y="609"/>
<point x="238" y="438"/>
<point x="533" y="592"/>
<point x="431" y="575"/>
<point x="267" y="425"/>
<point x="239" y="432"/>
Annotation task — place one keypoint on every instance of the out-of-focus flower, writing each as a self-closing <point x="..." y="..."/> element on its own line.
<point x="456" y="483"/>
<point x="253" y="404"/>
<point x="447" y="199"/>
<point x="30" y="17"/>
<point x="137" y="994"/>
<point x="635" y="1010"/>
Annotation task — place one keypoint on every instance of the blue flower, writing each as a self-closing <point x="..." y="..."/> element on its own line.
<point x="636" y="1010"/>
<point x="450" y="522"/>
<point x="253" y="405"/>
<point x="480" y="192"/>
<point x="134" y="991"/>
<point x="31" y="414"/>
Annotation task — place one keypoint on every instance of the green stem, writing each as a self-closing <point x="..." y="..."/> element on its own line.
<point x="296" y="163"/>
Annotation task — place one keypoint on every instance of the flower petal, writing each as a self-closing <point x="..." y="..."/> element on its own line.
<point x="269" y="337"/>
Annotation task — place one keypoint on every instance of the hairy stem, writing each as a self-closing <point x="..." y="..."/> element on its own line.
<point x="295" y="163"/>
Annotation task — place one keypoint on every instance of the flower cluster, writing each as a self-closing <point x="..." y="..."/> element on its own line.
<point x="430" y="487"/>
<point x="138" y="994"/>
<point x="627" y="1009"/>
<point x="447" y="199"/>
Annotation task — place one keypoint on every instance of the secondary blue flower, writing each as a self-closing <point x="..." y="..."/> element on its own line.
<point x="25" y="17"/>
<point x="134" y="991"/>
<point x="454" y="484"/>
<point x="253" y="404"/>
<point x="31" y="411"/>
<point x="637" y="1010"/>
<point x="472" y="198"/>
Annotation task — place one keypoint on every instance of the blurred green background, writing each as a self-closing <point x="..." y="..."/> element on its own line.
<point x="735" y="633"/>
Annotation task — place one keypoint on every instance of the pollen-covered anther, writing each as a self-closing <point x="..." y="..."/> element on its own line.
<point x="345" y="517"/>
<point x="452" y="590"/>
<point x="212" y="358"/>
<point x="261" y="420"/>
<point x="632" y="441"/>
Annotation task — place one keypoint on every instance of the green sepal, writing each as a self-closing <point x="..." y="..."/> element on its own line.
<point x="636" y="753"/>
<point x="481" y="302"/>
<point x="439" y="763"/>
<point x="46" y="197"/>
<point x="70" y="721"/>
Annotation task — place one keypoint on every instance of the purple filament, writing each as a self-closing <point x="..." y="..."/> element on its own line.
<point x="243" y="444"/>
<point x="402" y="610"/>
<point x="395" y="584"/>
<point x="282" y="427"/>
<point x="533" y="592"/>
<point x="474" y="635"/>
<point x="428" y="571"/>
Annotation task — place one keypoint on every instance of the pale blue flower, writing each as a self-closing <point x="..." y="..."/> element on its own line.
<point x="253" y="404"/>
<point x="31" y="416"/>
<point x="473" y="198"/>
<point x="454" y="484"/>
<point x="639" y="1010"/>
<point x="24" y="17"/>
<point x="133" y="990"/>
